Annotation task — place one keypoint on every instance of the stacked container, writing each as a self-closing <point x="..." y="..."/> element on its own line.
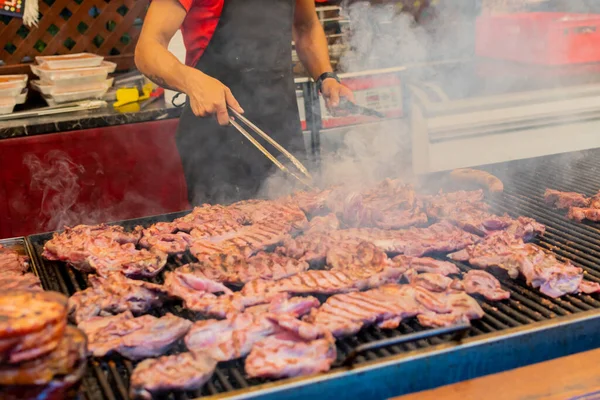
<point x="72" y="77"/>
<point x="13" y="91"/>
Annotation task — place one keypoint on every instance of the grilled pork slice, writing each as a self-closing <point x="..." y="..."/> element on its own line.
<point x="579" y="214"/>
<point x="477" y="177"/>
<point x="365" y="256"/>
<point x="346" y="314"/>
<point x="325" y="282"/>
<point x="432" y="282"/>
<point x="198" y="294"/>
<point x="185" y="371"/>
<point x="541" y="269"/>
<point x="208" y="216"/>
<point x="73" y="244"/>
<point x="232" y="269"/>
<point x="565" y="200"/>
<point x="426" y="264"/>
<point x="169" y="243"/>
<point x="462" y="309"/>
<point x="286" y="354"/>
<point x="126" y="259"/>
<point x="14" y="282"/>
<point x="113" y="295"/>
<point x="134" y="338"/>
<point x="485" y="284"/>
<point x="12" y="262"/>
<point x="323" y="224"/>
<point x="312" y="202"/>
<point x="234" y="337"/>
<point x="63" y="360"/>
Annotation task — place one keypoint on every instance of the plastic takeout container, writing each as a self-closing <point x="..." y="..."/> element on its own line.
<point x="53" y="90"/>
<point x="22" y="97"/>
<point x="7" y="105"/>
<point x="58" y="76"/>
<point x="79" y="60"/>
<point x="67" y="97"/>
<point x="13" y="82"/>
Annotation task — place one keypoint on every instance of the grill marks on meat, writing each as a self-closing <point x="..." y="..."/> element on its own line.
<point x="485" y="284"/>
<point x="233" y="269"/>
<point x="288" y="354"/>
<point x="388" y="305"/>
<point x="13" y="272"/>
<point x="426" y="264"/>
<point x="541" y="269"/>
<point x="235" y="336"/>
<point x="168" y="243"/>
<point x="185" y="371"/>
<point x="565" y="200"/>
<point x="104" y="249"/>
<point x="323" y="224"/>
<point x="365" y="256"/>
<point x="113" y="295"/>
<point x="134" y="338"/>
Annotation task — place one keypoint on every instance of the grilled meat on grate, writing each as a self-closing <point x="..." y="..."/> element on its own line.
<point x="134" y="338"/>
<point x="12" y="262"/>
<point x="113" y="295"/>
<point x="185" y="371"/>
<point x="432" y="282"/>
<point x="485" y="284"/>
<point x="288" y="354"/>
<point x="462" y="308"/>
<point x="426" y="264"/>
<point x="234" y="269"/>
<point x="366" y="256"/>
<point x="234" y="337"/>
<point x="541" y="269"/>
<point x="479" y="178"/>
<point x="323" y="224"/>
<point x="13" y="272"/>
<point x="565" y="200"/>
<point x="168" y="243"/>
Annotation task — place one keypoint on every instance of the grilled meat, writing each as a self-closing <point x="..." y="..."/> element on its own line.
<point x="579" y="214"/>
<point x="234" y="337"/>
<point x="365" y="256"/>
<point x="313" y="202"/>
<point x="134" y="338"/>
<point x="426" y="264"/>
<point x="12" y="262"/>
<point x="313" y="246"/>
<point x="565" y="200"/>
<point x="286" y="354"/>
<point x="169" y="243"/>
<point x="113" y="295"/>
<point x="346" y="314"/>
<point x="479" y="178"/>
<point x="63" y="360"/>
<point x="588" y="287"/>
<point x="233" y="269"/>
<point x="211" y="215"/>
<point x="541" y="269"/>
<point x="325" y="282"/>
<point x="463" y="308"/>
<point x="485" y="284"/>
<point x="323" y="224"/>
<point x="13" y="282"/>
<point x="430" y="281"/>
<point x="126" y="259"/>
<point x="186" y="371"/>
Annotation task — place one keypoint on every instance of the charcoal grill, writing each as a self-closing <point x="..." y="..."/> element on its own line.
<point x="527" y="328"/>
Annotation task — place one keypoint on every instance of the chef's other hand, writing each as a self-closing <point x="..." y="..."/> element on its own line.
<point x="209" y="96"/>
<point x="332" y="91"/>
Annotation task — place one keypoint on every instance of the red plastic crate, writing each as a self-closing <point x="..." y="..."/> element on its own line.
<point x="540" y="38"/>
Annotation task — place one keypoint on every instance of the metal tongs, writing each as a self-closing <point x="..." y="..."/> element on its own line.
<point x="306" y="179"/>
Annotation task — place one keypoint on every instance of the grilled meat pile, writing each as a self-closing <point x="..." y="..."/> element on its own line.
<point x="578" y="205"/>
<point x="13" y="272"/>
<point x="365" y="250"/>
<point x="40" y="356"/>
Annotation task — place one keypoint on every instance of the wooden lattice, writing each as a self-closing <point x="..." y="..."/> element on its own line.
<point x="106" y="27"/>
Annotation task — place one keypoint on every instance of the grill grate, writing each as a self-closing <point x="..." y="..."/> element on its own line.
<point x="525" y="182"/>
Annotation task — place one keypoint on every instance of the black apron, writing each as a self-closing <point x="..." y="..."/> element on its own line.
<point x="250" y="52"/>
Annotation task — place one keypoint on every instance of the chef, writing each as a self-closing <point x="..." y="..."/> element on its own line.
<point x="238" y="55"/>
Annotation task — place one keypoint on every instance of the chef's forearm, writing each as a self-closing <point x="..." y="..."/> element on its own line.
<point x="311" y="46"/>
<point x="160" y="65"/>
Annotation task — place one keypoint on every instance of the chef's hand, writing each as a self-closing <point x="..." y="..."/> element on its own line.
<point x="208" y="96"/>
<point x="332" y="91"/>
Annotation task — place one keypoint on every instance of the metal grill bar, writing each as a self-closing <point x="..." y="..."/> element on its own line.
<point x="525" y="182"/>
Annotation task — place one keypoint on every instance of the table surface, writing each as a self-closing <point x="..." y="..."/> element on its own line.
<point x="572" y="377"/>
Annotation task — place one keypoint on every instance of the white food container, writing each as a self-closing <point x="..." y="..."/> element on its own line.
<point x="13" y="82"/>
<point x="79" y="60"/>
<point x="7" y="104"/>
<point x="71" y="96"/>
<point x="22" y="97"/>
<point x="57" y="76"/>
<point x="54" y="90"/>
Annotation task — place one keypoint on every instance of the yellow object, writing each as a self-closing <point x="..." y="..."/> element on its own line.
<point x="132" y="95"/>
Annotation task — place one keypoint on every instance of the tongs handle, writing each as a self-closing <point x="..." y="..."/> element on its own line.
<point x="269" y="139"/>
<point x="459" y="330"/>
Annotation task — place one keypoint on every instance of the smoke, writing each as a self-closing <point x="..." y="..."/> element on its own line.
<point x="69" y="198"/>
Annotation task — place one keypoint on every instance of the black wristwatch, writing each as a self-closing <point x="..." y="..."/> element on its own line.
<point x="324" y="76"/>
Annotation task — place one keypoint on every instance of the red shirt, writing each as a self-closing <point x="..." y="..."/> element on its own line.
<point x="199" y="26"/>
